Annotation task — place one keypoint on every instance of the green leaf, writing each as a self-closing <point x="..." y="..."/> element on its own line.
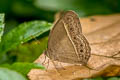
<point x="82" y="7"/>
<point x="6" y="74"/>
<point x="23" y="33"/>
<point x="24" y="53"/>
<point x="23" y="68"/>
<point x="2" y="18"/>
<point x="1" y="25"/>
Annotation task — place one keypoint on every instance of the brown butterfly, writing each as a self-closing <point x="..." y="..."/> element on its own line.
<point x="66" y="42"/>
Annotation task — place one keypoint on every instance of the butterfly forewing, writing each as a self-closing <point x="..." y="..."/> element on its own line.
<point x="59" y="45"/>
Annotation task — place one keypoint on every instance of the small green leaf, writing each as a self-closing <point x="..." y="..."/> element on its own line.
<point x="23" y="68"/>
<point x="1" y="25"/>
<point x="22" y="34"/>
<point x="6" y="74"/>
<point x="24" y="53"/>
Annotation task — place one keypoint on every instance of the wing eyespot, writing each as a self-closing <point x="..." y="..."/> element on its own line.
<point x="74" y="37"/>
<point x="71" y="29"/>
<point x="81" y="50"/>
<point x="81" y="45"/>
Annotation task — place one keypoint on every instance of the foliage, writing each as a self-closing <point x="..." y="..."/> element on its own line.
<point x="23" y="67"/>
<point x="25" y="52"/>
<point x="25" y="32"/>
<point x="7" y="74"/>
<point x="20" y="40"/>
<point x="13" y="39"/>
<point x="1" y="25"/>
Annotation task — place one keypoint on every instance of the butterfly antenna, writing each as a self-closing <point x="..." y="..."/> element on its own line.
<point x="43" y="63"/>
<point x="57" y="70"/>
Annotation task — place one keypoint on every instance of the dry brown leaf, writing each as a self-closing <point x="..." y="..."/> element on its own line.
<point x="103" y="33"/>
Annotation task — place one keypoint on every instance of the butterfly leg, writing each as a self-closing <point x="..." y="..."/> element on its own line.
<point x="62" y="66"/>
<point x="43" y="63"/>
<point x="44" y="60"/>
<point x="57" y="70"/>
<point x="55" y="65"/>
<point x="47" y="64"/>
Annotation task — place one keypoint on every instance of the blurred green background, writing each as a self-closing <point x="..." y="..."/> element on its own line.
<point x="14" y="49"/>
<point x="18" y="11"/>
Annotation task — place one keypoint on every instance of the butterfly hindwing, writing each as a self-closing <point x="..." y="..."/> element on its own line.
<point x="66" y="42"/>
<point x="74" y="30"/>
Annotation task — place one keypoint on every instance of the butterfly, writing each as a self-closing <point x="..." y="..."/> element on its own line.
<point x="66" y="43"/>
